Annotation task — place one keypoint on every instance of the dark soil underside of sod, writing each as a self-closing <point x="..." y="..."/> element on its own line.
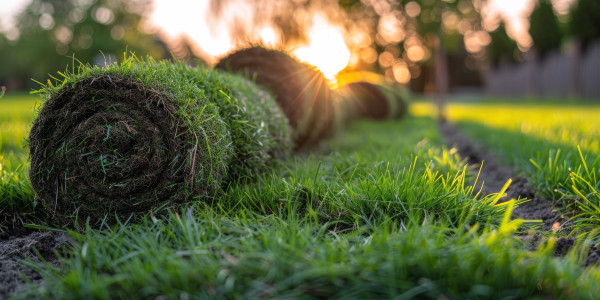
<point x="19" y="243"/>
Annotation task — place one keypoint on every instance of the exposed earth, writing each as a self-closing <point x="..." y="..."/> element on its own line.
<point x="18" y="244"/>
<point x="495" y="176"/>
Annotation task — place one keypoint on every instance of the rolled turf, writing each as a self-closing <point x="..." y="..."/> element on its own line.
<point x="142" y="136"/>
<point x="314" y="110"/>
<point x="300" y="90"/>
<point x="365" y="100"/>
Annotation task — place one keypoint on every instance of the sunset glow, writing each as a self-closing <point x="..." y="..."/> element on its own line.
<point x="173" y="22"/>
<point x="326" y="48"/>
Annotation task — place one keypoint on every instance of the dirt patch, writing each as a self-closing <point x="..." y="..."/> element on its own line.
<point x="495" y="175"/>
<point x="22" y="245"/>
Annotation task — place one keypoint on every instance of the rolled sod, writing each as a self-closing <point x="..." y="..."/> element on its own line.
<point x="364" y="100"/>
<point x="397" y="100"/>
<point x="313" y="109"/>
<point x="300" y="90"/>
<point x="143" y="136"/>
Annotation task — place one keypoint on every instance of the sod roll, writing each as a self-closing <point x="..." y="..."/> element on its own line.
<point x="364" y="100"/>
<point x="300" y="90"/>
<point x="314" y="110"/>
<point x="144" y="136"/>
<point x="397" y="100"/>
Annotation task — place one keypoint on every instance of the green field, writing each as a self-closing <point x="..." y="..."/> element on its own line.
<point x="383" y="210"/>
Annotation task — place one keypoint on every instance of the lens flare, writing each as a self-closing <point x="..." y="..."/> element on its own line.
<point x="326" y="48"/>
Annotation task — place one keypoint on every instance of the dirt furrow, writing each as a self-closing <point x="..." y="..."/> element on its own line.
<point x="494" y="175"/>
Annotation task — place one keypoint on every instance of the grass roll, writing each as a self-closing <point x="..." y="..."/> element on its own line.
<point x="142" y="136"/>
<point x="313" y="109"/>
<point x="397" y="99"/>
<point x="365" y="100"/>
<point x="300" y="90"/>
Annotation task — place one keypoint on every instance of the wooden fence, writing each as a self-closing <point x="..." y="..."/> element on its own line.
<point x="557" y="75"/>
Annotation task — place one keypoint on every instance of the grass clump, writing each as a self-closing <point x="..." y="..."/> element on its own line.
<point x="141" y="136"/>
<point x="408" y="194"/>
<point x="579" y="189"/>
<point x="16" y="197"/>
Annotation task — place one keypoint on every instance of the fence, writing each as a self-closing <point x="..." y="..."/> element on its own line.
<point x="557" y="75"/>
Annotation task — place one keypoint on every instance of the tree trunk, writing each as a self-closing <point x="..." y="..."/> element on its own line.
<point x="534" y="64"/>
<point x="441" y="76"/>
<point x="575" y="67"/>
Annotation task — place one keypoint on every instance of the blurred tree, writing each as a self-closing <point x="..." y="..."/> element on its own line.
<point x="583" y="28"/>
<point x="52" y="31"/>
<point x="418" y="34"/>
<point x="502" y="48"/>
<point x="289" y="17"/>
<point x="584" y="22"/>
<point x="415" y="27"/>
<point x="398" y="37"/>
<point x="544" y="28"/>
<point x="8" y="65"/>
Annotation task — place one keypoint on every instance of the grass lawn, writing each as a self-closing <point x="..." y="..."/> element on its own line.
<point x="383" y="210"/>
<point x="555" y="145"/>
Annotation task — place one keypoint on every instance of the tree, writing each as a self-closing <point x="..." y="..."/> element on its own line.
<point x="584" y="22"/>
<point x="583" y="28"/>
<point x="51" y="32"/>
<point x="544" y="28"/>
<point x="430" y="30"/>
<point x="502" y="47"/>
<point x="401" y="38"/>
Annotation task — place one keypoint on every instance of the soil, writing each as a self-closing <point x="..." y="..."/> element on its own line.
<point x="494" y="175"/>
<point x="21" y="244"/>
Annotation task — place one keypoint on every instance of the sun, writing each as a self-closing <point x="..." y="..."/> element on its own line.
<point x="326" y="48"/>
